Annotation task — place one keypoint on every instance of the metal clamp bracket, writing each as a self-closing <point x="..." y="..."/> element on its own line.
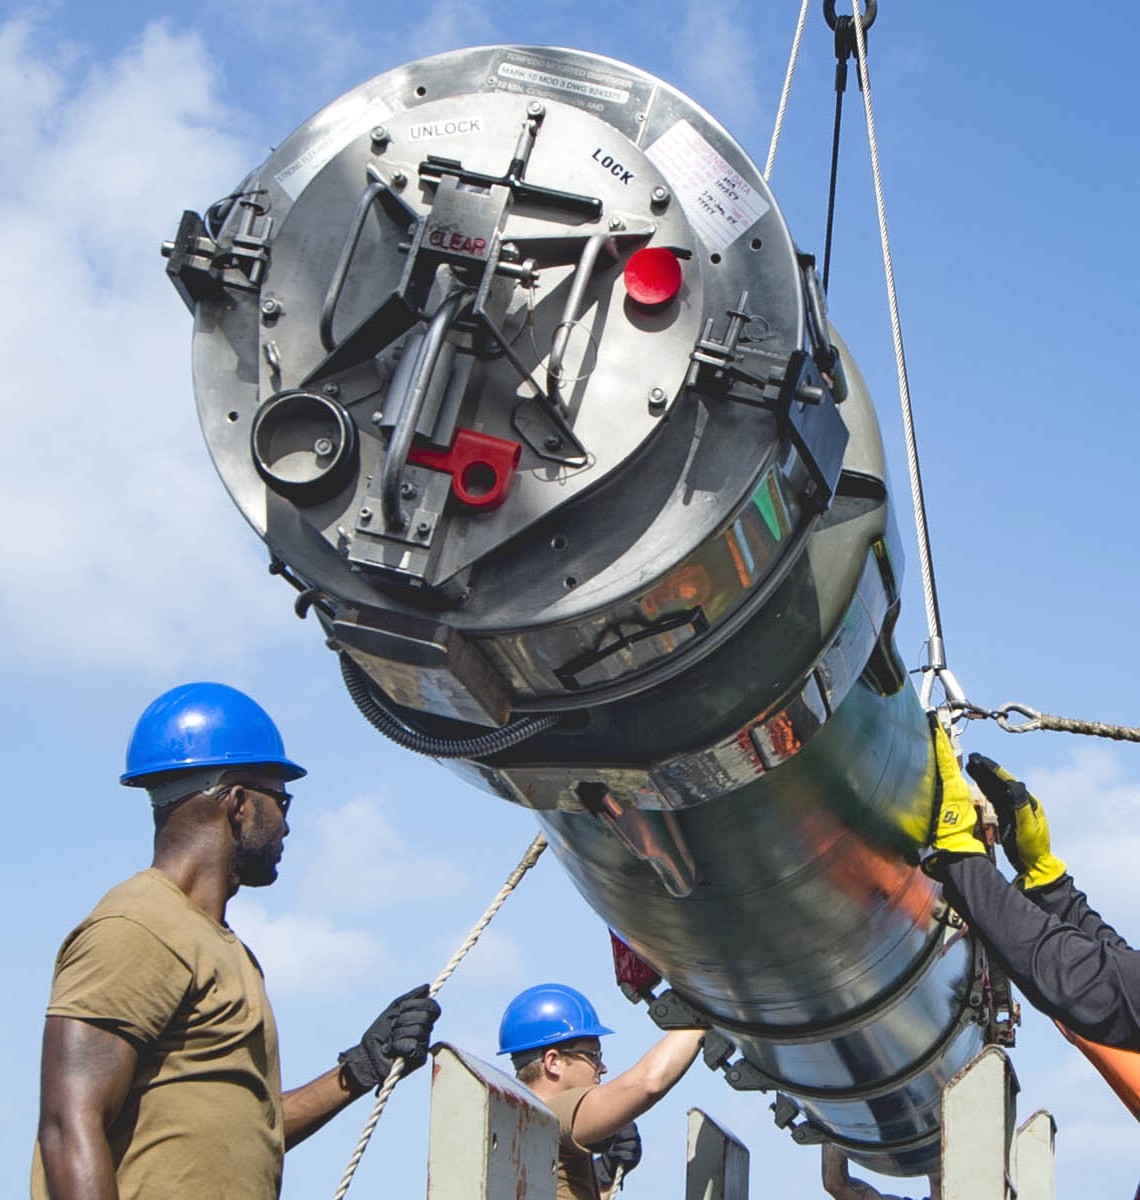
<point x="809" y="415"/>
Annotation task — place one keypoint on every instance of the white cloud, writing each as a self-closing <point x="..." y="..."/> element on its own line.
<point x="719" y="68"/>
<point x="359" y="863"/>
<point x="304" y="953"/>
<point x="29" y="89"/>
<point x="314" y="45"/>
<point x="1092" y="806"/>
<point x="495" y="961"/>
<point x="118" y="542"/>
<point x="449" y="25"/>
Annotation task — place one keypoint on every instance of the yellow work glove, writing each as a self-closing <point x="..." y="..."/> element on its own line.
<point x="956" y="818"/>
<point x="1022" y="825"/>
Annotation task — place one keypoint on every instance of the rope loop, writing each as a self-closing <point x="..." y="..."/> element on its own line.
<point x="1031" y="723"/>
<point x="1040" y="720"/>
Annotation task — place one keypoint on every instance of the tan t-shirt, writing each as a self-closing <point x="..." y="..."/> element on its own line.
<point x="203" y="1117"/>
<point x="576" y="1178"/>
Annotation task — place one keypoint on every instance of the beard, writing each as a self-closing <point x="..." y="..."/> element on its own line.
<point x="258" y="851"/>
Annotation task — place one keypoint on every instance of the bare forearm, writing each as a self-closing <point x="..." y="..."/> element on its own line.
<point x="668" y="1060"/>
<point x="605" y="1109"/>
<point x="310" y="1106"/>
<point x="77" y="1162"/>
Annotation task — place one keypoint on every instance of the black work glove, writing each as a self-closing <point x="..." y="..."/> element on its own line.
<point x="402" y="1030"/>
<point x="622" y="1150"/>
<point x="1022" y="826"/>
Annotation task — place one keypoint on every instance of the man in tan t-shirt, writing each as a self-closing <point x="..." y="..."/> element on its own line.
<point x="552" y="1033"/>
<point x="160" y="1072"/>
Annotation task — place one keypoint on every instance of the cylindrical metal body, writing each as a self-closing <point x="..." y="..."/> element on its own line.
<point x="510" y="358"/>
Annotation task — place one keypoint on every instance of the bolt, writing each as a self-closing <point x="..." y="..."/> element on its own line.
<point x="365" y="515"/>
<point x="660" y="196"/>
<point x="734" y="1076"/>
<point x="423" y="529"/>
<point x="616" y="223"/>
<point x="509" y="252"/>
<point x="379" y="135"/>
<point x="331" y="389"/>
<point x="323" y="446"/>
<point x="552" y="441"/>
<point x="408" y="490"/>
<point x="270" y="307"/>
<point x="535" y="109"/>
<point x="398" y="179"/>
<point x="656" y="399"/>
<point x="377" y="418"/>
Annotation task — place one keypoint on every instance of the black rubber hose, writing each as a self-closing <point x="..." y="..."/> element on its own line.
<point x="484" y="744"/>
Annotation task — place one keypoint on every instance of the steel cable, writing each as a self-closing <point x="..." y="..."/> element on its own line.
<point x="789" y="74"/>
<point x="930" y="594"/>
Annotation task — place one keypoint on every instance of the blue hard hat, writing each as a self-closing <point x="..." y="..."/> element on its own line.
<point x="545" y="1015"/>
<point x="201" y="725"/>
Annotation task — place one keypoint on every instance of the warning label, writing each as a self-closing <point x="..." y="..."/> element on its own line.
<point x="326" y="145"/>
<point x="718" y="200"/>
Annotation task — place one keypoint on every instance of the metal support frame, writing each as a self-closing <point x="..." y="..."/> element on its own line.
<point x="490" y="1138"/>
<point x="1033" y="1147"/>
<point x="984" y="1155"/>
<point x="716" y="1162"/>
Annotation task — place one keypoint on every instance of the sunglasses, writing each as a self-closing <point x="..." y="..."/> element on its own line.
<point x="280" y="797"/>
<point x="594" y="1057"/>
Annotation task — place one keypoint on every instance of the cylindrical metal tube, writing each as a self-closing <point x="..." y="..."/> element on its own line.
<point x="741" y="778"/>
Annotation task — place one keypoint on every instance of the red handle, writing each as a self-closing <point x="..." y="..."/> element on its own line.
<point x="481" y="467"/>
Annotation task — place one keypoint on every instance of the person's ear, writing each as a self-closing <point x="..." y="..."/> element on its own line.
<point x="552" y="1063"/>
<point x="237" y="806"/>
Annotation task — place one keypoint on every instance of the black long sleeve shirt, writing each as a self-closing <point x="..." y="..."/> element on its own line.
<point x="1066" y="959"/>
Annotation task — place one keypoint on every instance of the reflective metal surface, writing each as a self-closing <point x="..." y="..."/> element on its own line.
<point x="514" y="470"/>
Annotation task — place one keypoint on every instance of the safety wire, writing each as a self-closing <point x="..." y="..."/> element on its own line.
<point x="935" y="668"/>
<point x="789" y="75"/>
<point x="534" y="850"/>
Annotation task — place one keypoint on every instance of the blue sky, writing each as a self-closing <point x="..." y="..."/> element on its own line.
<point x="1009" y="153"/>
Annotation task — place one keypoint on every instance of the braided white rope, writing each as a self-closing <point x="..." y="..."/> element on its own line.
<point x="534" y="850"/>
<point x="932" y="620"/>
<point x="781" y="111"/>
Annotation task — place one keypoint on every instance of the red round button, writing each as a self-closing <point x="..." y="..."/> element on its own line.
<point x="652" y="275"/>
